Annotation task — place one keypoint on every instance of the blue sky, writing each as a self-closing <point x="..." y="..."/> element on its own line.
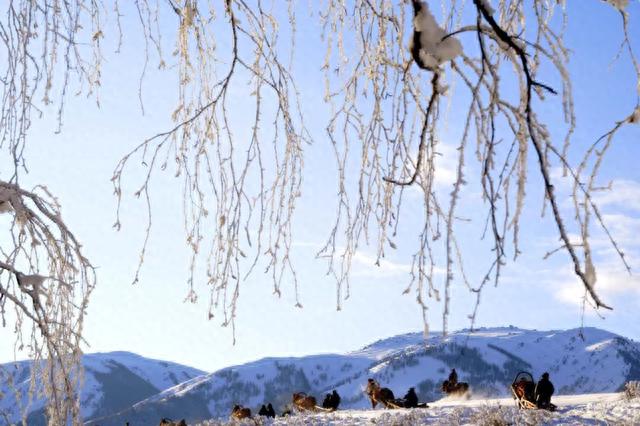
<point x="150" y="318"/>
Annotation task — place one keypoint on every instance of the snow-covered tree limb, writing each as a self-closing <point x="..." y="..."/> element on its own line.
<point x="48" y="308"/>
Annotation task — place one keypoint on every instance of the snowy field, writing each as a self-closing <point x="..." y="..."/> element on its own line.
<point x="591" y="409"/>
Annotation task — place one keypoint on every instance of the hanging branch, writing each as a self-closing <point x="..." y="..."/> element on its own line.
<point x="55" y="304"/>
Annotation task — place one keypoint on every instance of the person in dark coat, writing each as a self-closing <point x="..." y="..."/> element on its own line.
<point x="270" y="411"/>
<point x="263" y="411"/>
<point x="453" y="377"/>
<point x="327" y="401"/>
<point x="411" y="399"/>
<point x="544" y="390"/>
<point x="335" y="400"/>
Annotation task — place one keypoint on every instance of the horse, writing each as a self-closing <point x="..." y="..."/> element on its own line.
<point x="379" y="394"/>
<point x="239" y="412"/>
<point x="168" y="422"/>
<point x="459" y="388"/>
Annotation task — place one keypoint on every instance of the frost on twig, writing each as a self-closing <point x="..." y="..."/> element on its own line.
<point x="386" y="118"/>
<point x="245" y="188"/>
<point x="45" y="282"/>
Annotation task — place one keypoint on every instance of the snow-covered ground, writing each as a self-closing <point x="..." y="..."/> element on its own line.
<point x="590" y="409"/>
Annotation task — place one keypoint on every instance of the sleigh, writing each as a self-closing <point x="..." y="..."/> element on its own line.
<point x="303" y="402"/>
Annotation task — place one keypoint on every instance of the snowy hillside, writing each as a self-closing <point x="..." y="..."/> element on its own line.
<point x="113" y="382"/>
<point x="596" y="361"/>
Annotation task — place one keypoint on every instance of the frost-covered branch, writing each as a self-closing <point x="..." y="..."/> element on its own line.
<point x="48" y="308"/>
<point x="393" y="136"/>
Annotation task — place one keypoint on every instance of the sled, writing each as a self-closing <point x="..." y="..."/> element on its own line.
<point x="400" y="403"/>
<point x="523" y="389"/>
<point x="394" y="404"/>
<point x="303" y="402"/>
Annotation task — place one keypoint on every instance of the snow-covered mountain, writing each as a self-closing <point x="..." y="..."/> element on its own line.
<point x="113" y="382"/>
<point x="579" y="361"/>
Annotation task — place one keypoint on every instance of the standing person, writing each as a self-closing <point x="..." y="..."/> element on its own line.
<point x="544" y="390"/>
<point x="327" y="401"/>
<point x="335" y="400"/>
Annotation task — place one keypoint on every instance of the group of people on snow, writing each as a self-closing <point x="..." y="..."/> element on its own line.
<point x="331" y="401"/>
<point x="267" y="411"/>
<point x="541" y="393"/>
<point x="541" y="396"/>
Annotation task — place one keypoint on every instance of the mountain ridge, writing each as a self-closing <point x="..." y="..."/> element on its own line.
<point x="488" y="358"/>
<point x="587" y="360"/>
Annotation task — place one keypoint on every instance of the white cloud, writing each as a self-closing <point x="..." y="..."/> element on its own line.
<point x="620" y="210"/>
<point x="364" y="265"/>
<point x="619" y="194"/>
<point x="624" y="194"/>
<point x="619" y="207"/>
<point x="612" y="282"/>
<point x="624" y="229"/>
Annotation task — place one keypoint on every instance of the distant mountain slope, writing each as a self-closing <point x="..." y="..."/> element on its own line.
<point x="113" y="382"/>
<point x="586" y="361"/>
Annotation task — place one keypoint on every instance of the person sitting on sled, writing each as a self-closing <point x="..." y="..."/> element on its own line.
<point x="411" y="399"/>
<point x="544" y="390"/>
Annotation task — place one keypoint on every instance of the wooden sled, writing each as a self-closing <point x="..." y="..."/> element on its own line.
<point x="397" y="404"/>
<point x="303" y="402"/>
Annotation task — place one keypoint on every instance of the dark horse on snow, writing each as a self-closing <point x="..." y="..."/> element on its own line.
<point x="455" y="389"/>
